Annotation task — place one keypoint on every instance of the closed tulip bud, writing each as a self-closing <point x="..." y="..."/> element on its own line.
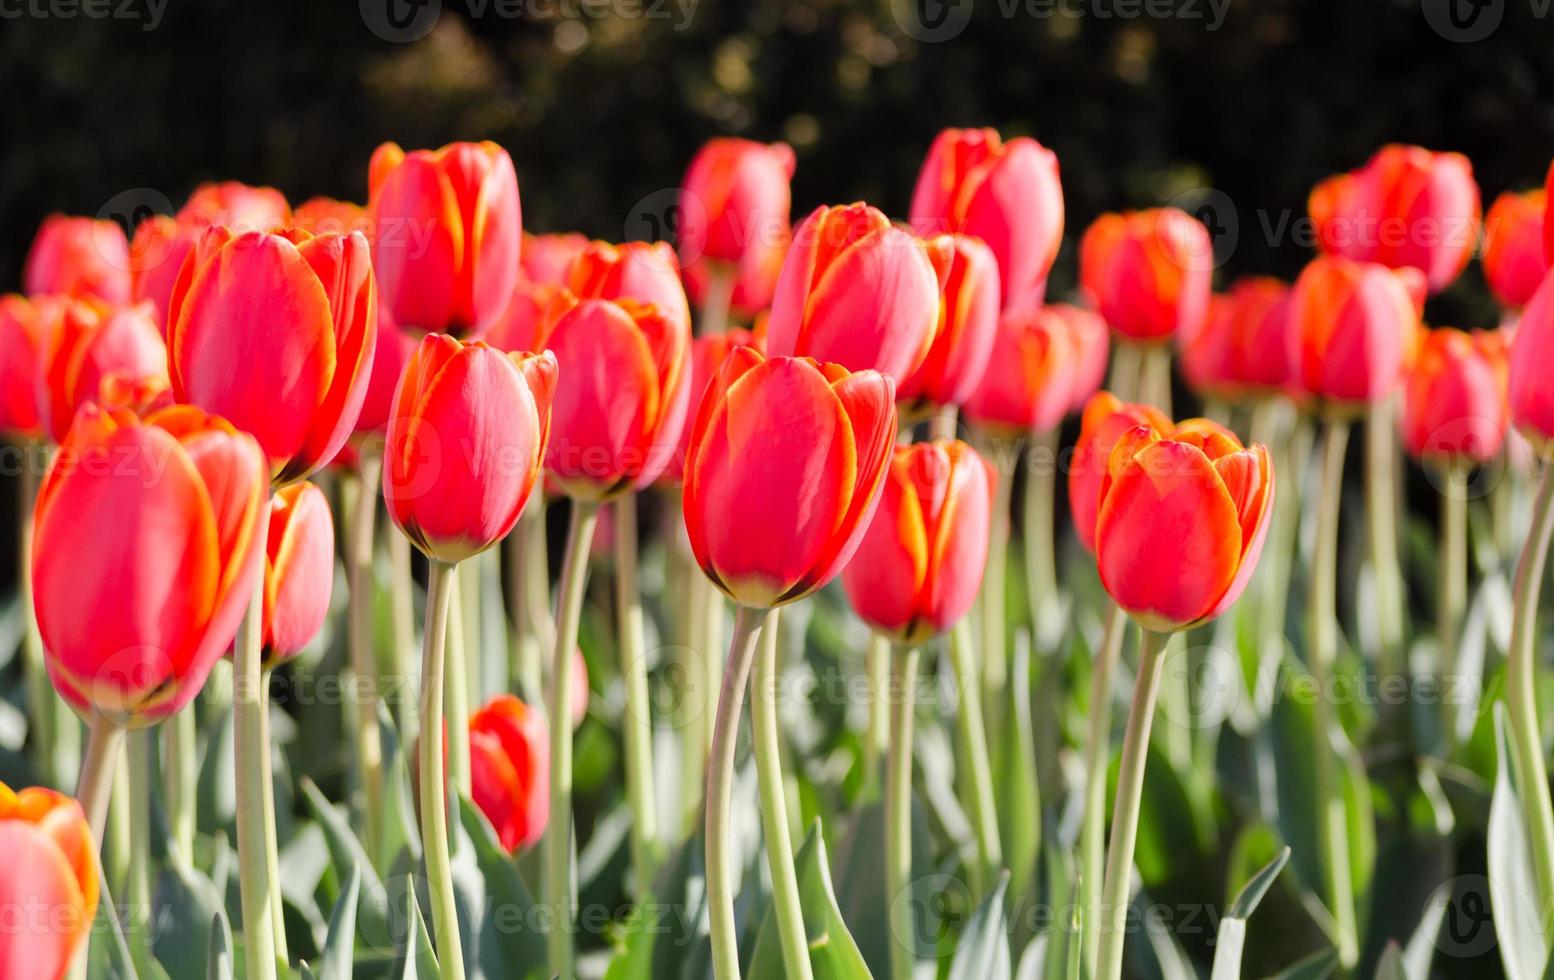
<point x="1106" y="420"/>
<point x="79" y="257"/>
<point x="734" y="206"/>
<point x="1244" y="346"/>
<point x="1029" y="383"/>
<point x="1352" y="326"/>
<point x="1181" y="523"/>
<point x="298" y="570"/>
<point x="328" y="216"/>
<point x="707" y="355"/>
<point x="1148" y="273"/>
<point x="968" y="310"/>
<point x="1514" y="260"/>
<point x="1007" y="194"/>
<point x="919" y="565"/>
<point x="446" y="235"/>
<point x="23" y="345"/>
<point x="151" y="525"/>
<point x="237" y="206"/>
<point x="299" y="389"/>
<point x="49" y="888"/>
<point x="392" y="350"/>
<point x="785" y="468"/>
<point x="1092" y="349"/>
<point x="1531" y="395"/>
<point x="509" y="756"/>
<point x="549" y="258"/>
<point x="92" y="350"/>
<point x="1454" y="401"/>
<point x="466" y="438"/>
<point x="646" y="273"/>
<point x="857" y="291"/>
<point x="533" y="309"/>
<point x="157" y="254"/>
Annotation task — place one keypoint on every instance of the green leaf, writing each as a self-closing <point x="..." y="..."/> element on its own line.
<point x="1390" y="966"/>
<point x="414" y="959"/>
<point x="1247" y="900"/>
<point x="218" y="958"/>
<point x="108" y="957"/>
<point x="340" y="945"/>
<point x="1232" y="928"/>
<point x="217" y="787"/>
<point x="832" y="952"/>
<point x="1317" y="966"/>
<point x="191" y="921"/>
<point x="505" y="941"/>
<point x="401" y="836"/>
<point x="670" y="945"/>
<point x="1523" y="946"/>
<point x="983" y="950"/>
<point x="347" y="855"/>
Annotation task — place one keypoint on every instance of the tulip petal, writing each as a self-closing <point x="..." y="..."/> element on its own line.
<point x="45" y="909"/>
<point x="419" y="246"/>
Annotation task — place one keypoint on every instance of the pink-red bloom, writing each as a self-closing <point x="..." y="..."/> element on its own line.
<point x="1092" y="349"/>
<point x="734" y="218"/>
<point x="298" y="570"/>
<point x="1148" y="273"/>
<point x="1454" y="401"/>
<point x="1514" y="260"/>
<point x="1244" y="346"/>
<point x="326" y="215"/>
<point x="642" y="272"/>
<point x="1352" y="329"/>
<point x="1029" y="383"/>
<point x="79" y="257"/>
<point x="49" y="886"/>
<point x="509" y="757"/>
<point x="235" y="205"/>
<point x="549" y="258"/>
<point x="708" y="353"/>
<point x="94" y="353"/>
<point x="157" y="254"/>
<point x="1106" y="420"/>
<point x="968" y="311"/>
<point x="23" y="345"/>
<point x="1532" y="397"/>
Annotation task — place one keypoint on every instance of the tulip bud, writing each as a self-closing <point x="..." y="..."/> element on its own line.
<point x="1105" y="420"/>
<point x="298" y="571"/>
<point x="707" y="355"/>
<point x="1148" y="273"/>
<point x="235" y="205"/>
<point x="151" y="525"/>
<point x="466" y="437"/>
<point x="157" y="254"/>
<point x="1092" y="349"/>
<point x="646" y="273"/>
<point x="1181" y="523"/>
<point x="734" y="207"/>
<point x="23" y="343"/>
<point x="919" y="565"/>
<point x="392" y="350"/>
<point x="328" y="216"/>
<point x="785" y="467"/>
<point x="79" y="257"/>
<point x="968" y="310"/>
<point x="509" y="755"/>
<point x="1007" y="194"/>
<point x="1352" y="327"/>
<point x="1531" y="395"/>
<point x="1454" y="400"/>
<point x="1244" y="346"/>
<point x="1513" y="247"/>
<point x="299" y="389"/>
<point x="49" y="888"/>
<point x="92" y="349"/>
<point x="1029" y="384"/>
<point x="446" y="235"/>
<point x="548" y="258"/>
<point x="857" y="291"/>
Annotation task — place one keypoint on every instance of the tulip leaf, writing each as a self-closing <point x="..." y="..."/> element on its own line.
<point x="218" y="958"/>
<point x="1391" y="966"/>
<point x="108" y="956"/>
<point x="415" y="959"/>
<point x="340" y="944"/>
<point x="983" y="950"/>
<point x="672" y="943"/>
<point x="1524" y="949"/>
<point x="1318" y="966"/>
<point x="216" y="790"/>
<point x="1063" y="891"/>
<point x="401" y="837"/>
<point x="500" y="923"/>
<point x="1232" y="928"/>
<point x="832" y="952"/>
<point x="348" y="856"/>
<point x="188" y="910"/>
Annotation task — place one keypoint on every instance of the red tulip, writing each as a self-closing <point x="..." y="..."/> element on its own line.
<point x="1244" y="346"/>
<point x="642" y="272"/>
<point x="509" y="755"/>
<point x="533" y="309"/>
<point x="298" y="570"/>
<point x="298" y="389"/>
<point x="446" y="226"/>
<point x="969" y="320"/>
<point x="549" y="258"/>
<point x="1148" y="273"/>
<point x="1181" y="523"/>
<point x="79" y="257"/>
<point x="579" y="684"/>
<point x="392" y="351"/>
<point x="466" y="437"/>
<point x="49" y="886"/>
<point x="707" y="355"/>
<point x="23" y="343"/>
<point x="919" y="565"/>
<point x="1092" y="348"/>
<point x="1106" y="420"/>
<point x="1513" y="247"/>
<point x="857" y="291"/>
<point x="786" y="465"/>
<point x="734" y="207"/>
<point x="1531" y="395"/>
<point x="237" y="206"/>
<point x="1007" y="194"/>
<point x="92" y="349"/>
<point x="1454" y="401"/>
<point x="157" y="254"/>
<point x="326" y="215"/>
<point x="1029" y="384"/>
<point x="1351" y="329"/>
<point x="152" y="527"/>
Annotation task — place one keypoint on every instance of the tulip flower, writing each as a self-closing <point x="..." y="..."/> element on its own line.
<point x="446" y="235"/>
<point x="1531" y="396"/>
<point x="49" y="887"/>
<point x="328" y="216"/>
<point x="1007" y="194"/>
<point x="857" y="291"/>
<point x="1092" y="348"/>
<point x="510" y="762"/>
<point x="532" y="311"/>
<point x="97" y="355"/>
<point x="393" y="350"/>
<point x="237" y="206"/>
<point x="1351" y="327"/>
<point x="549" y="258"/>
<point x="734" y="222"/>
<point x="1243" y="348"/>
<point x="643" y="272"/>
<point x="157" y="254"/>
<point x="708" y="353"/>
<point x="79" y="257"/>
<point x="1148" y="273"/>
<point x="23" y="341"/>
<point x="1454" y="401"/>
<point x="1029" y="383"/>
<point x="1105" y="421"/>
<point x="299" y="390"/>
<point x="1513" y="257"/>
<point x="963" y="343"/>
<point x="299" y="570"/>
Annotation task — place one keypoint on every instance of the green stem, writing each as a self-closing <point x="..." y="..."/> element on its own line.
<point x="898" y="817"/>
<point x="95" y="784"/>
<point x="721" y="872"/>
<point x="402" y="651"/>
<point x="118" y="844"/>
<point x="559" y="884"/>
<point x="456" y="687"/>
<point x="1521" y="693"/>
<point x="1332" y="832"/>
<point x="714" y="618"/>
<point x="1125" y="811"/>
<point x="181" y="778"/>
<point x="1127" y="360"/>
<point x="1092" y="836"/>
<point x="1452" y="597"/>
<point x="368" y="744"/>
<point x="253" y="776"/>
<point x="638" y="720"/>
<point x="876" y="664"/>
<point x="974" y="755"/>
<point x="1155" y="377"/>
<point x="995" y="669"/>
<point x="1041" y="573"/>
<point x="1176" y="705"/>
<point x="434" y="783"/>
<point x="695" y="702"/>
<point x="1273" y="572"/>
<point x="764" y="704"/>
<point x="271" y="847"/>
<point x="717" y="299"/>
<point x="1381" y="492"/>
<point x="138" y="913"/>
<point x="530" y="597"/>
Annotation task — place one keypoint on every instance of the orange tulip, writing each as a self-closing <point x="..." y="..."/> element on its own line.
<point x="1514" y="262"/>
<point x="734" y="214"/>
<point x="1007" y="194"/>
<point x="1148" y="273"/>
<point x="299" y="570"/>
<point x="326" y="216"/>
<point x="79" y="257"/>
<point x="23" y="343"/>
<point x="919" y="565"/>
<point x="857" y="291"/>
<point x="299" y="389"/>
<point x="466" y="437"/>
<point x="49" y="886"/>
<point x="707" y="355"/>
<point x="446" y="235"/>
<point x="1106" y="420"/>
<point x="1092" y="348"/>
<point x="549" y="258"/>
<point x="509" y="755"/>
<point x="157" y="254"/>
<point x="968" y="310"/>
<point x="151" y="526"/>
<point x="1454" y="400"/>
<point x="1029" y="384"/>
<point x="1181" y="523"/>
<point x="91" y="351"/>
<point x="235" y="205"/>
<point x="1352" y="327"/>
<point x="1244" y="346"/>
<point x="1531" y="395"/>
<point x="786" y="464"/>
<point x="642" y="272"/>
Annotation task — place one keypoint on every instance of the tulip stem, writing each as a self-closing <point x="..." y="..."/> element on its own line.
<point x="766" y="685"/>
<point x="721" y="872"/>
<point x="1127" y="361"/>
<point x="456" y="684"/>
<point x="433" y="781"/>
<point x="1381" y="492"/>
<point x="974" y="756"/>
<point x="1273" y="574"/>
<point x="638" y="720"/>
<point x="717" y="299"/>
<point x="1125" y="811"/>
<point x="271" y="847"/>
<point x="1521" y="696"/>
<point x="369" y="747"/>
<point x="402" y="650"/>
<point x="530" y="570"/>
<point x="94" y="786"/>
<point x="877" y="665"/>
<point x="696" y="703"/>
<point x="995" y="671"/>
<point x="1041" y="575"/>
<point x="898" y="815"/>
<point x="1332" y="832"/>
<point x="253" y="776"/>
<point x="1155" y="376"/>
<point x="559" y="884"/>
<point x="180" y="781"/>
<point x="1092" y="837"/>
<point x="1452" y="589"/>
<point x="138" y="905"/>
